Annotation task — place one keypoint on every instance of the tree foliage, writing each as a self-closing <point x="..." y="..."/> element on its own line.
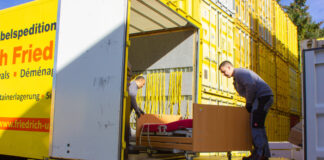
<point x="307" y="28"/>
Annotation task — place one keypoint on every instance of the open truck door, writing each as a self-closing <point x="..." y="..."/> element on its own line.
<point x="88" y="87"/>
<point x="314" y="103"/>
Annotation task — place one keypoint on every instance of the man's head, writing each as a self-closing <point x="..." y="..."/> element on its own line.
<point x="226" y="67"/>
<point x="140" y="81"/>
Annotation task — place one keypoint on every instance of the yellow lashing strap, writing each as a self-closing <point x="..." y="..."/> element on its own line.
<point x="163" y="93"/>
<point x="147" y="94"/>
<point x="153" y="94"/>
<point x="173" y="93"/>
<point x="156" y="101"/>
<point x="188" y="113"/>
<point x="157" y="93"/>
<point x="175" y="86"/>
<point x="179" y="86"/>
<point x="170" y="99"/>
<point x="160" y="93"/>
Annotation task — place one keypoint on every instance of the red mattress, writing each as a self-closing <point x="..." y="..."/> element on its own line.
<point x="168" y="127"/>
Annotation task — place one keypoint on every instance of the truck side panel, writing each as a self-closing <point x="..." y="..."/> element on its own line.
<point x="89" y="80"/>
<point x="27" y="44"/>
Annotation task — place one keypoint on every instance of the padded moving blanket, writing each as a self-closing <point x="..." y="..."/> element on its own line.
<point x="168" y="127"/>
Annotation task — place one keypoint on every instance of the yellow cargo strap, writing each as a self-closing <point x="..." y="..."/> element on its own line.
<point x="175" y="86"/>
<point x="160" y="93"/>
<point x="150" y="107"/>
<point x="188" y="113"/>
<point x="163" y="93"/>
<point x="153" y="94"/>
<point x="170" y="98"/>
<point x="156" y="101"/>
<point x="156" y="90"/>
<point x="179" y="86"/>
<point x="147" y="94"/>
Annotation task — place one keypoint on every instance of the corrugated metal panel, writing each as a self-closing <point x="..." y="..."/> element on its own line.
<point x="213" y="99"/>
<point x="283" y="127"/>
<point x="253" y="14"/>
<point x="266" y="68"/>
<point x="217" y="45"/>
<point x="292" y="44"/>
<point x="277" y="126"/>
<point x="294" y="91"/>
<point x="281" y="31"/>
<point x="186" y="8"/>
<point x="238" y="42"/>
<point x="254" y="53"/>
<point x="271" y="125"/>
<point x="243" y="48"/>
<point x="261" y="32"/>
<point x="282" y="85"/>
<point x="226" y="5"/>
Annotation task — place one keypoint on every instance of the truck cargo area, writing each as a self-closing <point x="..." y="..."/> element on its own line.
<point x="65" y="68"/>
<point x="163" y="48"/>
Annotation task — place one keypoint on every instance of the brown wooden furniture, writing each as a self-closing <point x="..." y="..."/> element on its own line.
<point x="215" y="129"/>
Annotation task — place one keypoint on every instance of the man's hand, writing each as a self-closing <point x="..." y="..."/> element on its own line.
<point x="139" y="112"/>
<point x="142" y="112"/>
<point x="248" y="107"/>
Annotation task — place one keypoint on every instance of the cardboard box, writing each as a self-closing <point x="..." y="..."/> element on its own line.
<point x="221" y="129"/>
<point x="295" y="136"/>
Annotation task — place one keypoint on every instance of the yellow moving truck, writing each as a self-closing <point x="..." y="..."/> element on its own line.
<point x="63" y="67"/>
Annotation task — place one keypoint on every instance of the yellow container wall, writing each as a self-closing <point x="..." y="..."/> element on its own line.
<point x="261" y="37"/>
<point x="187" y="8"/>
<point x="271" y="125"/>
<point x="264" y="20"/>
<point x="281" y="31"/>
<point x="242" y="48"/>
<point x="283" y="127"/>
<point x="292" y="44"/>
<point x="266" y="68"/>
<point x="282" y="85"/>
<point x="294" y="91"/>
<point x="277" y="126"/>
<point x="217" y="45"/>
<point x="246" y="14"/>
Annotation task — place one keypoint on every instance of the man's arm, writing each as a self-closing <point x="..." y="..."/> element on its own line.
<point x="133" y="94"/>
<point x="250" y="89"/>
